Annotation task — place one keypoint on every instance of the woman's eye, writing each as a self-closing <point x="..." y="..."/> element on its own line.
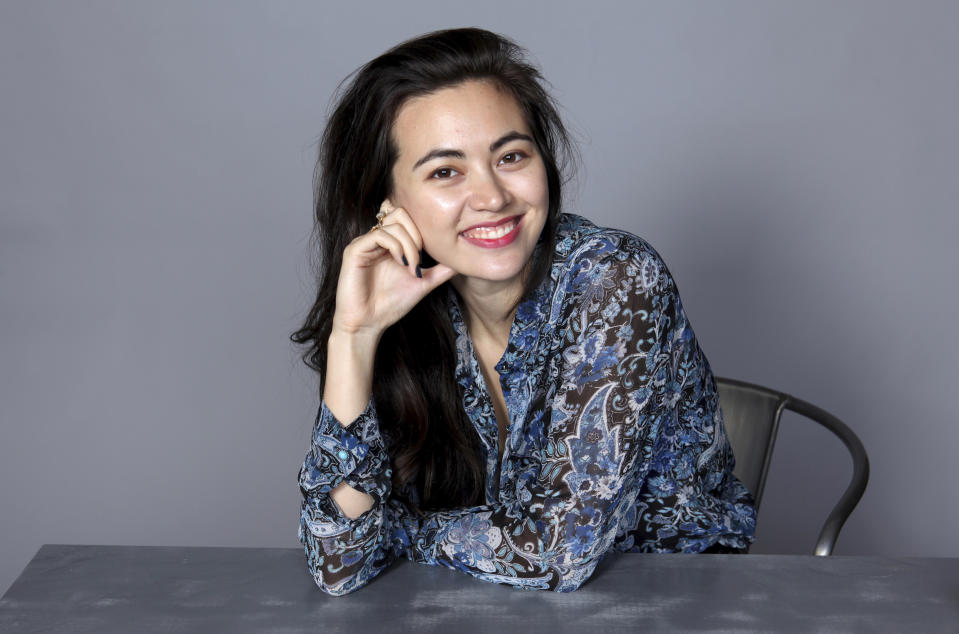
<point x="513" y="157"/>
<point x="443" y="172"/>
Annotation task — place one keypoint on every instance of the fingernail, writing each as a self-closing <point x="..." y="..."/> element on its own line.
<point x="419" y="273"/>
<point x="405" y="263"/>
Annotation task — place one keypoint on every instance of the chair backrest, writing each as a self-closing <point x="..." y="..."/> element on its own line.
<point x="752" y="413"/>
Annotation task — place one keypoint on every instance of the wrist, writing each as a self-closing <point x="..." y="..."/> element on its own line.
<point x="348" y="381"/>
<point x="354" y="343"/>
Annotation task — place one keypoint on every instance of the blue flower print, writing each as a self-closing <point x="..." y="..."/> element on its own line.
<point x="471" y="541"/>
<point x="616" y="441"/>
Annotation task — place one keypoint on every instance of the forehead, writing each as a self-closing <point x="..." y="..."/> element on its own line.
<point x="471" y="113"/>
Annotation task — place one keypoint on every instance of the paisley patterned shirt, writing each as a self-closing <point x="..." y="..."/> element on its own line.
<point x="616" y="440"/>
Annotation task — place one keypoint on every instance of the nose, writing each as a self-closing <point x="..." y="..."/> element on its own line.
<point x="487" y="192"/>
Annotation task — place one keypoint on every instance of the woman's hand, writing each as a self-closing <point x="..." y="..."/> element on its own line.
<point x="380" y="281"/>
<point x="380" y="277"/>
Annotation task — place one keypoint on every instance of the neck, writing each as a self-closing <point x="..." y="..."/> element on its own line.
<point x="490" y="308"/>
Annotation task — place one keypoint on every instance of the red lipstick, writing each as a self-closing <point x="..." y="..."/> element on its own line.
<point x="489" y="235"/>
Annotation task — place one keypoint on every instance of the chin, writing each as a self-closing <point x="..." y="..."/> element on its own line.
<point x="490" y="267"/>
<point x="494" y="274"/>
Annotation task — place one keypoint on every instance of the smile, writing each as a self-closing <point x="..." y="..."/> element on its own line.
<point x="493" y="236"/>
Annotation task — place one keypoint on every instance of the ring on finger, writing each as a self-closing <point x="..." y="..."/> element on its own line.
<point x="385" y="210"/>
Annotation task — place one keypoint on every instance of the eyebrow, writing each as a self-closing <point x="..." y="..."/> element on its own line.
<point x="512" y="135"/>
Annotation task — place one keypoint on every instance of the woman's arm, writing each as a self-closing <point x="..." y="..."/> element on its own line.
<point x="345" y="478"/>
<point x="347" y="391"/>
<point x="344" y="553"/>
<point x="634" y="446"/>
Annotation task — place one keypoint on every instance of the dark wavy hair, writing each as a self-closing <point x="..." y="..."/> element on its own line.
<point x="432" y="443"/>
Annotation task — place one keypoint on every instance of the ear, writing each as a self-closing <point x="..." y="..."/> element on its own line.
<point x="386" y="206"/>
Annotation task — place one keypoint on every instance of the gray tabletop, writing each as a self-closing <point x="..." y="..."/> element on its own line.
<point x="126" y="588"/>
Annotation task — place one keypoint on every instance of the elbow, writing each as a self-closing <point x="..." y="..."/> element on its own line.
<point x="572" y="577"/>
<point x="336" y="568"/>
<point x="578" y="557"/>
<point x="339" y="589"/>
<point x="349" y="578"/>
<point x="319" y="561"/>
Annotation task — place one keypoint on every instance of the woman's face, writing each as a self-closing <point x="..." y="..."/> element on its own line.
<point x="470" y="176"/>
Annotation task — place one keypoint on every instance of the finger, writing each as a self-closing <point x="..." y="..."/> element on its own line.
<point x="436" y="275"/>
<point x="386" y="207"/>
<point x="402" y="217"/>
<point x="370" y="245"/>
<point x="410" y="250"/>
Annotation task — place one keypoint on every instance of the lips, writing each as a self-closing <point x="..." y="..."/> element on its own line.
<point x="494" y="234"/>
<point x="492" y="231"/>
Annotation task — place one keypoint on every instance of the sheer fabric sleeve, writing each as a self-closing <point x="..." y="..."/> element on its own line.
<point x="690" y="501"/>
<point x="633" y="445"/>
<point x="343" y="554"/>
<point x="627" y="444"/>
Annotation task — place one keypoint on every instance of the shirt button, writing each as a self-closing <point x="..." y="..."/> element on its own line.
<point x="342" y="455"/>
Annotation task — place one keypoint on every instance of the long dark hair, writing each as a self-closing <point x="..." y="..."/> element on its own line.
<point x="432" y="443"/>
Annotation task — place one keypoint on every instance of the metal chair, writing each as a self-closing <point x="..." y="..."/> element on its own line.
<point x="751" y="413"/>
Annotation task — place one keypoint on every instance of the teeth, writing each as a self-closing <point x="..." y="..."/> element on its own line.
<point x="491" y="233"/>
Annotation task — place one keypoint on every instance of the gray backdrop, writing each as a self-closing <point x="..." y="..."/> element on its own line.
<point x="795" y="164"/>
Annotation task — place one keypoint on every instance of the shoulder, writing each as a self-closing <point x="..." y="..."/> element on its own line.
<point x="588" y="256"/>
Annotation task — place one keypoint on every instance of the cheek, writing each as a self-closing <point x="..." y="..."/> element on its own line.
<point x="532" y="186"/>
<point x="434" y="214"/>
<point x="416" y="205"/>
<point x="542" y="186"/>
<point x="430" y="229"/>
<point x="424" y="202"/>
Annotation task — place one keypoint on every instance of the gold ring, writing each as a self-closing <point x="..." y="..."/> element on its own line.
<point x="385" y="210"/>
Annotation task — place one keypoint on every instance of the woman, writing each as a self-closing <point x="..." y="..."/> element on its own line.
<point x="507" y="390"/>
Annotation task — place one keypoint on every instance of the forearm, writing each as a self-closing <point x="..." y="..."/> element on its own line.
<point x="345" y="546"/>
<point x="553" y="541"/>
<point x="343" y="554"/>
<point x="348" y="381"/>
<point x="352" y="503"/>
<point x="347" y="389"/>
<point x="346" y="520"/>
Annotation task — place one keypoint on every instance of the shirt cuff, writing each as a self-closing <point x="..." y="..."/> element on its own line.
<point x="341" y="453"/>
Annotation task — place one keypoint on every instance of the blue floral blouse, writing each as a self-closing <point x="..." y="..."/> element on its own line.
<point x="616" y="440"/>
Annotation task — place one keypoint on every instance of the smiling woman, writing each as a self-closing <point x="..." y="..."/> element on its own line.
<point x="507" y="390"/>
<point x="473" y="183"/>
